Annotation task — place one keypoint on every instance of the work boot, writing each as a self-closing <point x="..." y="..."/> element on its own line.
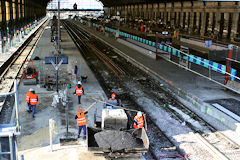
<point x="84" y="137"/>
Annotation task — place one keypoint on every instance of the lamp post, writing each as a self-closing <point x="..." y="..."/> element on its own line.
<point x="58" y="40"/>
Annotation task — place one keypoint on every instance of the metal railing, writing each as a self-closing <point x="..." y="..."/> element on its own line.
<point x="11" y="130"/>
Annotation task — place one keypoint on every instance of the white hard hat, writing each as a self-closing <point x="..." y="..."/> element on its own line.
<point x="79" y="82"/>
<point x="30" y="90"/>
<point x="139" y="114"/>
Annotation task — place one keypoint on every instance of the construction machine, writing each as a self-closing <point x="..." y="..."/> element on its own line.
<point x="114" y="137"/>
<point x="29" y="73"/>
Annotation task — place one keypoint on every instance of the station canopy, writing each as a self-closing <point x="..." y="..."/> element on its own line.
<point x="108" y="3"/>
<point x="81" y="4"/>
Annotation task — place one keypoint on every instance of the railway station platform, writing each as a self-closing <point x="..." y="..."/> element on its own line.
<point x="192" y="42"/>
<point x="204" y="97"/>
<point x="34" y="140"/>
<point x="19" y="41"/>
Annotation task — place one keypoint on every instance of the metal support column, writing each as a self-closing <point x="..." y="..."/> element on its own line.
<point x="59" y="38"/>
<point x="228" y="64"/>
<point x="203" y="29"/>
<point x="17" y="17"/>
<point x="17" y="108"/>
<point x="3" y="26"/>
<point x="57" y="75"/>
<point x="235" y="22"/>
<point x="21" y="10"/>
<point x="156" y="44"/>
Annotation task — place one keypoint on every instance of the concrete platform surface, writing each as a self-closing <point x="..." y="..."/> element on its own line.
<point x="34" y="140"/>
<point x="59" y="153"/>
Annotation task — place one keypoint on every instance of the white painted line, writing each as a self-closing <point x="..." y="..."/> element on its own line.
<point x="221" y="108"/>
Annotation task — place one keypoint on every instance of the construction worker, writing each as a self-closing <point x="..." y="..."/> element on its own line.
<point x="75" y="70"/>
<point x="81" y="121"/>
<point x="79" y="91"/>
<point x="33" y="102"/>
<point x="113" y="100"/>
<point x="138" y="121"/>
<point x="28" y="100"/>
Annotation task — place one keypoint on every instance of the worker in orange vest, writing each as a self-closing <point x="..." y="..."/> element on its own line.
<point x="138" y="121"/>
<point x="28" y="100"/>
<point x="33" y="102"/>
<point x="81" y="121"/>
<point x="142" y="28"/>
<point x="79" y="91"/>
<point x="113" y="100"/>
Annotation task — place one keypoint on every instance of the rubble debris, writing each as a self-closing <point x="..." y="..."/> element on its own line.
<point x="117" y="140"/>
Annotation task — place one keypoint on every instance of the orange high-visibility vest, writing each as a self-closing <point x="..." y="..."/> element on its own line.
<point x="79" y="91"/>
<point x="139" y="121"/>
<point x="28" y="96"/>
<point x="33" y="99"/>
<point x="110" y="99"/>
<point x="81" y="120"/>
<point x="141" y="28"/>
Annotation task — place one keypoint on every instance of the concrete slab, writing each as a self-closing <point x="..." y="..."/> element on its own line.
<point x="34" y="140"/>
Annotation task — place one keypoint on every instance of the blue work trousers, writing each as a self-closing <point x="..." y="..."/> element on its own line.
<point x="33" y="109"/>
<point x="80" y="129"/>
<point x="79" y="99"/>
<point x="29" y="106"/>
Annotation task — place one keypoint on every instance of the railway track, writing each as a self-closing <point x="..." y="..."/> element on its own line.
<point x="12" y="69"/>
<point x="220" y="146"/>
<point x="160" y="144"/>
<point x="105" y="59"/>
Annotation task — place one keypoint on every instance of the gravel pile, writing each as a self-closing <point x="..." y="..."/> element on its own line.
<point x="117" y="140"/>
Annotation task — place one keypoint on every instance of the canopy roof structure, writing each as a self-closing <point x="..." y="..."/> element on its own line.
<point x="109" y="3"/>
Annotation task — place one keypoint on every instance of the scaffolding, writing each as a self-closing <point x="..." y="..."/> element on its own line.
<point x="10" y="131"/>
